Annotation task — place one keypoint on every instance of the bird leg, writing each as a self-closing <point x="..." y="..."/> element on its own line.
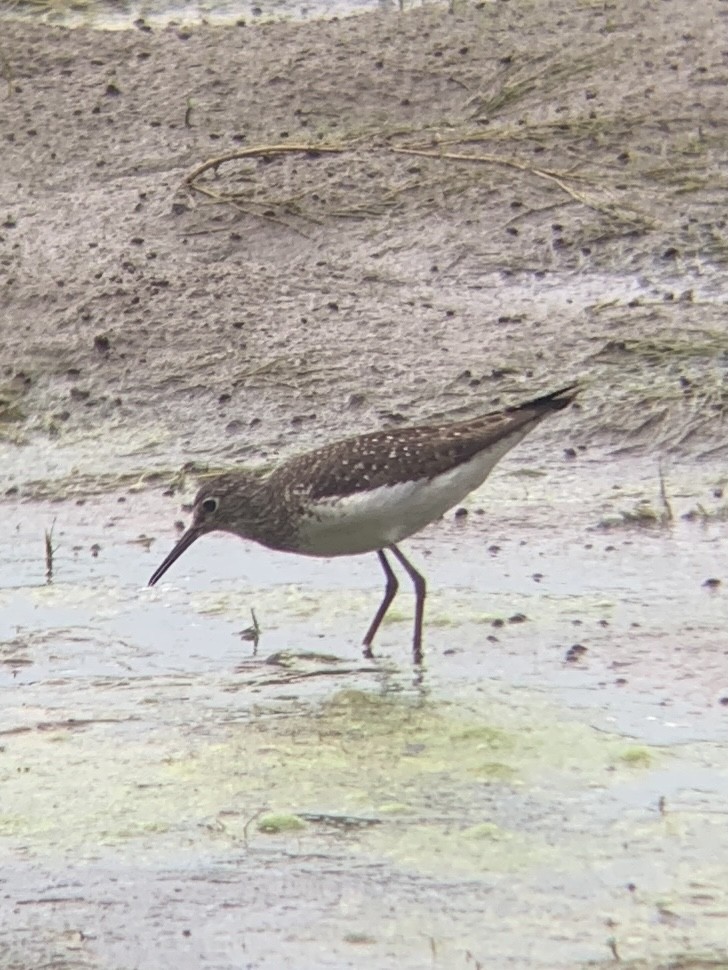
<point x="420" y="593"/>
<point x="390" y="591"/>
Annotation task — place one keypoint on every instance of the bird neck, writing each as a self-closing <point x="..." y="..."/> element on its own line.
<point x="255" y="516"/>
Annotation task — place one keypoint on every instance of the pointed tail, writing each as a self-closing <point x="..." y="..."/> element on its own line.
<point x="554" y="401"/>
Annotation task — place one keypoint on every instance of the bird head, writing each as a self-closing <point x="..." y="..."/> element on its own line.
<point x="219" y="506"/>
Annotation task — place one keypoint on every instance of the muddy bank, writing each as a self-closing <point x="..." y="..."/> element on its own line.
<point x="340" y="292"/>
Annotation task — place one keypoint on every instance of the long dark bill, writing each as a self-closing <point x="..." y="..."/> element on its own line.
<point x="184" y="543"/>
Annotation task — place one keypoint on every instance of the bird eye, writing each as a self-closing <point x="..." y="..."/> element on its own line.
<point x="210" y="505"/>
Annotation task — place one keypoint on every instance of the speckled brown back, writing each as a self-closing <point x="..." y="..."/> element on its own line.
<point x="406" y="454"/>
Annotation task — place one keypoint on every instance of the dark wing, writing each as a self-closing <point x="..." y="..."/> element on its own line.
<point x="408" y="454"/>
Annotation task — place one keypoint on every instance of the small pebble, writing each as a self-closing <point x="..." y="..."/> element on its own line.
<point x="575" y="652"/>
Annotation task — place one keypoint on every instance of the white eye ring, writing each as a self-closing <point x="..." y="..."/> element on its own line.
<point x="210" y="505"/>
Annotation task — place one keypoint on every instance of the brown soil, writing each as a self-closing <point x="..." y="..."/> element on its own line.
<point x="339" y="291"/>
<point x="558" y="213"/>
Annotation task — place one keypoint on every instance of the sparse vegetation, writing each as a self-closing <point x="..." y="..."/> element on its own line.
<point x="644" y="513"/>
<point x="49" y="553"/>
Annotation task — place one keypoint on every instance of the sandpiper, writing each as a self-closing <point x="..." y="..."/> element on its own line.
<point x="365" y="494"/>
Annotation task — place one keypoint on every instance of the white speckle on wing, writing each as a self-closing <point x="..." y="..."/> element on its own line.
<point x="372" y="519"/>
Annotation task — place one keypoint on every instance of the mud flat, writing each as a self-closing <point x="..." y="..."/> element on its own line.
<point x="434" y="214"/>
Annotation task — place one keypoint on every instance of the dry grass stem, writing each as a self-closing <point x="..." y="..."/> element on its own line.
<point x="49" y="551"/>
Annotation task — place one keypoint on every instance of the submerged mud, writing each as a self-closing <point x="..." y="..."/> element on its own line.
<point x="287" y="801"/>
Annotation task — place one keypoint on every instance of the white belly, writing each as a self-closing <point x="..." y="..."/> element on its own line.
<point x="372" y="520"/>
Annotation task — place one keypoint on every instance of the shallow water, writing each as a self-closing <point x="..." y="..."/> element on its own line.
<point x="550" y="789"/>
<point x="113" y="15"/>
<point x="504" y="802"/>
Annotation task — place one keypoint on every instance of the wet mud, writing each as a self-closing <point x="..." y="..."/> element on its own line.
<point x="179" y="788"/>
<point x="169" y="784"/>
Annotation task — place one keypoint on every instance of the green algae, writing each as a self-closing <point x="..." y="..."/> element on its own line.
<point x="350" y="610"/>
<point x="359" y="939"/>
<point x="678" y="961"/>
<point x="273" y="824"/>
<point x="400" y="760"/>
<point x="638" y="757"/>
